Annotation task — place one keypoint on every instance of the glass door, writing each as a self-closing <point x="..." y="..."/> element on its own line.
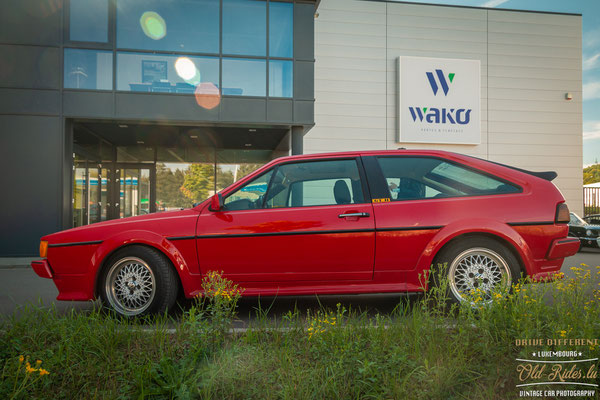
<point x="134" y="188"/>
<point x="91" y="193"/>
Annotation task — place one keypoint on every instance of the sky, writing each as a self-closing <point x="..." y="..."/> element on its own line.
<point x="590" y="9"/>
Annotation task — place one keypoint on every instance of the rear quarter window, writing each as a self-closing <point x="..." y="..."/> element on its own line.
<point x="410" y="178"/>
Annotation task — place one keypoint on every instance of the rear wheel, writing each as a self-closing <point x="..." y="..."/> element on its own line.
<point x="476" y="269"/>
<point x="138" y="280"/>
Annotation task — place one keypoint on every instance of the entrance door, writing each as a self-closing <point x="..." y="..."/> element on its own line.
<point x="134" y="190"/>
<point x="109" y="191"/>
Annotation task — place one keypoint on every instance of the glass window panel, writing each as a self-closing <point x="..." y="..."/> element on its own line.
<point x="317" y="183"/>
<point x="182" y="184"/>
<point x="250" y="196"/>
<point x="176" y="25"/>
<point x="142" y="72"/>
<point x="88" y="20"/>
<point x="88" y="69"/>
<point x="281" y="78"/>
<point x="245" y="27"/>
<point x="244" y="77"/>
<point x="80" y="200"/>
<point x="281" y="29"/>
<point x="411" y="178"/>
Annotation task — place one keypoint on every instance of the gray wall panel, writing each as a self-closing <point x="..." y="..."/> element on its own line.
<point x="304" y="112"/>
<point x="88" y="104"/>
<point x="29" y="67"/>
<point x="280" y="110"/>
<point x="304" y="80"/>
<point x="25" y="101"/>
<point x="30" y="204"/>
<point x="304" y="31"/>
<point x="30" y="21"/>
<point x="243" y="110"/>
<point x="162" y="107"/>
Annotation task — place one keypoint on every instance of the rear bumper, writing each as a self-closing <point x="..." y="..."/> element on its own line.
<point x="42" y="268"/>
<point x="561" y="248"/>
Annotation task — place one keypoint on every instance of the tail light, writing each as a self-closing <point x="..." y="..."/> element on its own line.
<point x="562" y="214"/>
<point x="43" y="249"/>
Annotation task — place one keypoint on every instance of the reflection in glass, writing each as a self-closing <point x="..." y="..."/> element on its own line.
<point x="281" y="78"/>
<point x="134" y="192"/>
<point x="244" y="77"/>
<point x="245" y="27"/>
<point x="88" y="20"/>
<point x="175" y="25"/>
<point x="281" y="29"/>
<point x="88" y="69"/>
<point x="142" y="72"/>
<point x="79" y="197"/>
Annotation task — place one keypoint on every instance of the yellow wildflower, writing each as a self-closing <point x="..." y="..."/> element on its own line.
<point x="21" y="358"/>
<point x="44" y="372"/>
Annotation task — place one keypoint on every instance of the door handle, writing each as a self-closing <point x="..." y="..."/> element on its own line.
<point x="356" y="215"/>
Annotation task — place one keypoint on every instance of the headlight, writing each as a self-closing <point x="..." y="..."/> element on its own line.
<point x="588" y="233"/>
<point x="43" y="249"/>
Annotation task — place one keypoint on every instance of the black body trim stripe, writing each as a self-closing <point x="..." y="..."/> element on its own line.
<point x="530" y="223"/>
<point x="181" y="237"/>
<point x="411" y="228"/>
<point x="75" y="243"/>
<point x="296" y="233"/>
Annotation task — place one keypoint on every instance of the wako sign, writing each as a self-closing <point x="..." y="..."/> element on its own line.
<point x="439" y="100"/>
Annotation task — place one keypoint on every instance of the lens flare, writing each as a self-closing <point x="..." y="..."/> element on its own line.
<point x="153" y="25"/>
<point x="187" y="70"/>
<point x="207" y="95"/>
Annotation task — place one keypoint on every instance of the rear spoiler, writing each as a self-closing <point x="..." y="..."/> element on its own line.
<point x="547" y="175"/>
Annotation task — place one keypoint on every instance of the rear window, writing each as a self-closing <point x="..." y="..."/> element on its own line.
<point x="411" y="178"/>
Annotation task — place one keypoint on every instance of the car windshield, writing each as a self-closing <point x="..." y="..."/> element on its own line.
<point x="576" y="220"/>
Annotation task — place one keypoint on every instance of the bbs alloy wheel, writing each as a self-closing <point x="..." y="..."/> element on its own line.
<point x="476" y="268"/>
<point x="138" y="280"/>
<point x="130" y="286"/>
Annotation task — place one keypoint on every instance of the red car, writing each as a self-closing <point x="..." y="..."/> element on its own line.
<point x="353" y="222"/>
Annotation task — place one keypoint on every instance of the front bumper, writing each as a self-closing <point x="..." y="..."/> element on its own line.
<point x="565" y="247"/>
<point x="590" y="241"/>
<point x="42" y="268"/>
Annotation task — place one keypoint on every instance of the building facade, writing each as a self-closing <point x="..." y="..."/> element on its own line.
<point x="114" y="108"/>
<point x="530" y="63"/>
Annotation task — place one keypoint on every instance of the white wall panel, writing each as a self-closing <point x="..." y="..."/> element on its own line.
<point x="528" y="62"/>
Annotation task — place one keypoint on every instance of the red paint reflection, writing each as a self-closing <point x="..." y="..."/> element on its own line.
<point x="207" y="95"/>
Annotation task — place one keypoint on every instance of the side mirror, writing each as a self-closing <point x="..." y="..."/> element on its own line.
<point x="216" y="202"/>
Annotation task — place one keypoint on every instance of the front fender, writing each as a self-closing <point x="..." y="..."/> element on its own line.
<point x="484" y="226"/>
<point x="148" y="238"/>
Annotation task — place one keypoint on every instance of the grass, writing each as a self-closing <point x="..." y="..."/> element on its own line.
<point x="422" y="350"/>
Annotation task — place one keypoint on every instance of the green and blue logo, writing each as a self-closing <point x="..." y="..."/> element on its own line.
<point x="432" y="115"/>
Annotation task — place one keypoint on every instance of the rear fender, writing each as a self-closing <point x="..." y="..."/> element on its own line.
<point x="472" y="227"/>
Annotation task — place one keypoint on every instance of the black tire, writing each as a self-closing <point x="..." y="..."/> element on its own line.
<point x="138" y="280"/>
<point x="473" y="262"/>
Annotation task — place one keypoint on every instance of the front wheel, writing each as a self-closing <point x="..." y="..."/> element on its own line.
<point x="138" y="280"/>
<point x="476" y="269"/>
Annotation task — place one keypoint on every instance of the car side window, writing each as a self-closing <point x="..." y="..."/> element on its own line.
<point x="250" y="196"/>
<point x="315" y="183"/>
<point x="412" y="178"/>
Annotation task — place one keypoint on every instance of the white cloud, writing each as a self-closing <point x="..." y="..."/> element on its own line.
<point x="493" y="3"/>
<point x="591" y="130"/>
<point x="591" y="90"/>
<point x="591" y="62"/>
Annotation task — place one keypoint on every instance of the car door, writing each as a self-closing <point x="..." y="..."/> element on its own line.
<point x="300" y="221"/>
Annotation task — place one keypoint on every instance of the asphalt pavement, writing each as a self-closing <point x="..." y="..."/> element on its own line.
<point x="20" y="287"/>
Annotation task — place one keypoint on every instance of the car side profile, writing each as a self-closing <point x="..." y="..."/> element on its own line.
<point x="337" y="223"/>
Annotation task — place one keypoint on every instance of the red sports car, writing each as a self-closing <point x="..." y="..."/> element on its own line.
<point x="353" y="222"/>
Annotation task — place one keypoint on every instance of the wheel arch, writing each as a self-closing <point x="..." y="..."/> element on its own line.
<point x="502" y="233"/>
<point x="143" y="238"/>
